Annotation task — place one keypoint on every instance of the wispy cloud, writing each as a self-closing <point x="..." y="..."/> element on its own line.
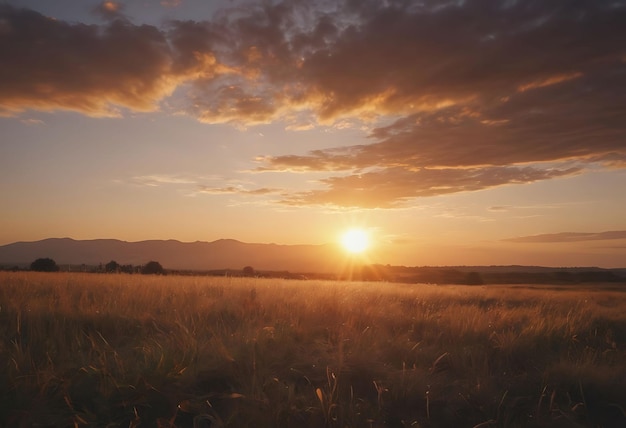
<point x="171" y="3"/>
<point x="500" y="208"/>
<point x="110" y="10"/>
<point x="33" y="122"/>
<point x="570" y="237"/>
<point x="237" y="190"/>
<point x="162" y="179"/>
<point x="393" y="187"/>
<point x="193" y="185"/>
<point x="300" y="127"/>
<point x="549" y="81"/>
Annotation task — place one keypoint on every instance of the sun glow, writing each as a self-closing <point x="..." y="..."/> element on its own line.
<point x="355" y="241"/>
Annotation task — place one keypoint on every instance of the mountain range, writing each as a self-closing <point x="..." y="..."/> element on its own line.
<point x="328" y="259"/>
<point x="171" y="254"/>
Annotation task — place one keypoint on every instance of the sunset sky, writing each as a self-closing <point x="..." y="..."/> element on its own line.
<point x="472" y="132"/>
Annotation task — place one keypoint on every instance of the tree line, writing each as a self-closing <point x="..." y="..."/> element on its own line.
<point x="46" y="264"/>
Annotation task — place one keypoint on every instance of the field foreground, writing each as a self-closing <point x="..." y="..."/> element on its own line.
<point x="145" y="351"/>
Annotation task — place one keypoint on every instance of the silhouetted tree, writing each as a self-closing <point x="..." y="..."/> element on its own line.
<point x="128" y="269"/>
<point x="152" y="268"/>
<point x="112" y="267"/>
<point x="248" y="271"/>
<point x="44" y="265"/>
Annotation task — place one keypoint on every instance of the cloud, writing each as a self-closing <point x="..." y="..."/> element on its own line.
<point x="517" y="86"/>
<point x="57" y="65"/>
<point x="481" y="88"/>
<point x="393" y="187"/>
<point x="109" y="10"/>
<point x="194" y="185"/>
<point x="300" y="127"/>
<point x="499" y="208"/>
<point x="236" y="190"/>
<point x="337" y="59"/>
<point x="50" y="64"/>
<point x="569" y="237"/>
<point x="552" y="80"/>
<point x="473" y="94"/>
<point x="32" y="122"/>
<point x="577" y="130"/>
<point x="162" y="179"/>
<point x="171" y="3"/>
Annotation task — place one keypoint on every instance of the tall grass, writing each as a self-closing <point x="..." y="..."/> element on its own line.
<point x="153" y="351"/>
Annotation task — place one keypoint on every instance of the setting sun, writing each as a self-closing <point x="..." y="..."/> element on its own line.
<point x="355" y="240"/>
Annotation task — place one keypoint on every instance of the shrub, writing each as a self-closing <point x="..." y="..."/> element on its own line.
<point x="112" y="267"/>
<point x="152" y="268"/>
<point x="44" y="265"/>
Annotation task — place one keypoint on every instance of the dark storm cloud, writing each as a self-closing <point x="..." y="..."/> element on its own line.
<point x="483" y="92"/>
<point x="570" y="237"/>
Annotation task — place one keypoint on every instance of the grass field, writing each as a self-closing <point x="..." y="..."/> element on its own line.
<point x="164" y="351"/>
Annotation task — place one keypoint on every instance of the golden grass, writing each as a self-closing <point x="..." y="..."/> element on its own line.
<point x="134" y="350"/>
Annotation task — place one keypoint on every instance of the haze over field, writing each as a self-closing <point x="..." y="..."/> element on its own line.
<point x="452" y="133"/>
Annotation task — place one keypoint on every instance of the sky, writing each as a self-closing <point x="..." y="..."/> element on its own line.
<point x="469" y="132"/>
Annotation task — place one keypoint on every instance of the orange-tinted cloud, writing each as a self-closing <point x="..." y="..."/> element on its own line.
<point x="171" y="3"/>
<point x="109" y="9"/>
<point x="394" y="186"/>
<point x="553" y="80"/>
<point x="236" y="190"/>
<point x="162" y="179"/>
<point x="489" y="93"/>
<point x="570" y="237"/>
<point x="475" y="94"/>
<point x="335" y="60"/>
<point x="50" y="64"/>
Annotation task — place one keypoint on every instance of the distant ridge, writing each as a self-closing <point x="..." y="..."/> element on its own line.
<point x="231" y="254"/>
<point x="173" y="254"/>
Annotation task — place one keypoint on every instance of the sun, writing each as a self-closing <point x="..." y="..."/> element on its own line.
<point x="355" y="241"/>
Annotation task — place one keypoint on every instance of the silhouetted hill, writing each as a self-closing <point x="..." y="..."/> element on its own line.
<point x="220" y="254"/>
<point x="317" y="261"/>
